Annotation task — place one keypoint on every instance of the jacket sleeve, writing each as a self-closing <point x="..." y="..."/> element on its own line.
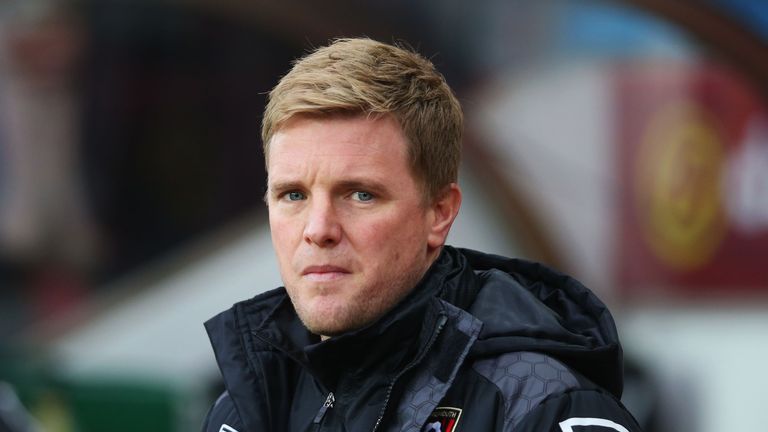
<point x="223" y="416"/>
<point x="578" y="410"/>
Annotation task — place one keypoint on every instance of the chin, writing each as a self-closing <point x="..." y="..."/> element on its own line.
<point x="323" y="324"/>
<point x="326" y="328"/>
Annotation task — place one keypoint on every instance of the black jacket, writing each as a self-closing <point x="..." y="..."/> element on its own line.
<point x="484" y="343"/>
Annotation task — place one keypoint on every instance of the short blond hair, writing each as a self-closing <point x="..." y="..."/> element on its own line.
<point x="363" y="76"/>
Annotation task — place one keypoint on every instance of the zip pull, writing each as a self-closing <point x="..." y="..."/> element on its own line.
<point x="441" y="321"/>
<point x="327" y="404"/>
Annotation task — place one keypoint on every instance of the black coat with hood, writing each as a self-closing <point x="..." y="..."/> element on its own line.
<point x="484" y="343"/>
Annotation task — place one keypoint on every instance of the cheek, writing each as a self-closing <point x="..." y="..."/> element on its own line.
<point x="391" y="236"/>
<point x="282" y="221"/>
<point x="378" y="233"/>
<point x="284" y="236"/>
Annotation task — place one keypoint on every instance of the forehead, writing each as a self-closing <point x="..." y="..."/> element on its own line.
<point x="337" y="143"/>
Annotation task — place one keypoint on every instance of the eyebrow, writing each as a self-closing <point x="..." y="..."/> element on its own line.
<point x="349" y="184"/>
<point x="363" y="184"/>
<point x="280" y="187"/>
<point x="283" y="185"/>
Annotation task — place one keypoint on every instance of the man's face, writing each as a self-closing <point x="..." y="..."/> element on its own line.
<point x="349" y="224"/>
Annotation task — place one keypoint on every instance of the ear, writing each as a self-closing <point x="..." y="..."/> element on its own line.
<point x="443" y="211"/>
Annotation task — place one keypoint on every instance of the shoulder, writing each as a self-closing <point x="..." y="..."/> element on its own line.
<point x="538" y="389"/>
<point x="223" y="416"/>
<point x="525" y="379"/>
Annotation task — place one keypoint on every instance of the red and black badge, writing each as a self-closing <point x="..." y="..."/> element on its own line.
<point x="443" y="419"/>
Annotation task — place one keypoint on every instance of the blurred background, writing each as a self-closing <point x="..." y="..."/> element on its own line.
<point x="625" y="142"/>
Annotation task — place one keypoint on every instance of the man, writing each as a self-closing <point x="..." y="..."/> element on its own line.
<point x="380" y="327"/>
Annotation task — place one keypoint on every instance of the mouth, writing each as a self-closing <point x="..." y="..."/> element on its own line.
<point x="322" y="273"/>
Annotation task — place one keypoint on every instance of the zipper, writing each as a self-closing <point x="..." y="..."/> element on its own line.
<point x="440" y="324"/>
<point x="329" y="400"/>
<point x="323" y="409"/>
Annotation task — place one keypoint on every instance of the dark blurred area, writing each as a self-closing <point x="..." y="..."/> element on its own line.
<point x="177" y="94"/>
<point x="131" y="172"/>
<point x="139" y="131"/>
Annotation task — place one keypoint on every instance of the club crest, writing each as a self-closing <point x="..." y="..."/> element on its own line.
<point x="443" y="419"/>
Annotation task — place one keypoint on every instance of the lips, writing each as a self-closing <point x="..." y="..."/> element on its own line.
<point x="324" y="272"/>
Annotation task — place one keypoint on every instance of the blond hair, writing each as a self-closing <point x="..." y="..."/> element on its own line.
<point x="363" y="76"/>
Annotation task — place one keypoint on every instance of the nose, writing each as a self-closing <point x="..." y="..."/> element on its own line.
<point x="322" y="227"/>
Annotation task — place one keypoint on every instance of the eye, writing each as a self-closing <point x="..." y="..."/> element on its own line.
<point x="362" y="196"/>
<point x="294" y="196"/>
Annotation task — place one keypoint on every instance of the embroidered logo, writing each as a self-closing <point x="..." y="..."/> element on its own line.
<point x="443" y="419"/>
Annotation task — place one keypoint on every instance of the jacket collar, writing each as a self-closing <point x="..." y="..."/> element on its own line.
<point x="380" y="345"/>
<point x="247" y="337"/>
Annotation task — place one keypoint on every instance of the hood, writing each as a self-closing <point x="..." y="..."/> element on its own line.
<point x="525" y="306"/>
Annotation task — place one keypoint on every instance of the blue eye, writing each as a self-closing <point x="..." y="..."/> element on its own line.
<point x="295" y="196"/>
<point x="362" y="196"/>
